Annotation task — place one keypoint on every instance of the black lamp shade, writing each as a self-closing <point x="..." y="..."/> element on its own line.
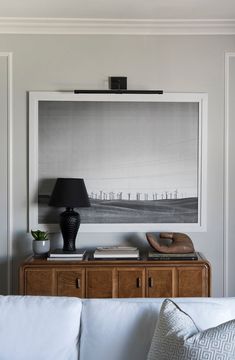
<point x="69" y="193"/>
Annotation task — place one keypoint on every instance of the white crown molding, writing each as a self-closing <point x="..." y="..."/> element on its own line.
<point x="69" y="26"/>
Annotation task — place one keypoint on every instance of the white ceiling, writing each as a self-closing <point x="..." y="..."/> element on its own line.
<point x="119" y="9"/>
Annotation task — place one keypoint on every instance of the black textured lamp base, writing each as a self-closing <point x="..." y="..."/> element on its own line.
<point x="69" y="224"/>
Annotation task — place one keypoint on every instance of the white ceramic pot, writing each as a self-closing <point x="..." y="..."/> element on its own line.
<point x="41" y="247"/>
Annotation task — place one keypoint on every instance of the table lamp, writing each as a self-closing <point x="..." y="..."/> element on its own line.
<point x="69" y="193"/>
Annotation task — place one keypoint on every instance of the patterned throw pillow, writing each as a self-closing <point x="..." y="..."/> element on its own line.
<point x="177" y="337"/>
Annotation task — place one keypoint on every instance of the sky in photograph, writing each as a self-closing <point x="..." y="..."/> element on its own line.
<point x="120" y="147"/>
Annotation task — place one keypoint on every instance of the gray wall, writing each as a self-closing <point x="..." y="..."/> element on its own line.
<point x="4" y="146"/>
<point x="230" y="178"/>
<point x="171" y="63"/>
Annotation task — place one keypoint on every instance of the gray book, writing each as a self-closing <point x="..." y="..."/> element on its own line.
<point x="161" y="256"/>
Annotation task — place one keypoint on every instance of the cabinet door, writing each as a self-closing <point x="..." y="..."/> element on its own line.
<point x="71" y="282"/>
<point x="39" y="282"/>
<point x="161" y="282"/>
<point x="99" y="282"/>
<point x="131" y="282"/>
<point x="193" y="281"/>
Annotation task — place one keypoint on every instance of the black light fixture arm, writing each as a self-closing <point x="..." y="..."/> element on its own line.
<point x="118" y="91"/>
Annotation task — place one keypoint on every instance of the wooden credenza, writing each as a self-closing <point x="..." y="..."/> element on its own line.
<point x="116" y="279"/>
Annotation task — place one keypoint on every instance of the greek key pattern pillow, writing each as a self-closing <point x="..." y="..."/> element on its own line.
<point x="176" y="337"/>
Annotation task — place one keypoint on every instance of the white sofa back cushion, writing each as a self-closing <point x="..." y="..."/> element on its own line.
<point x="39" y="328"/>
<point x="123" y="329"/>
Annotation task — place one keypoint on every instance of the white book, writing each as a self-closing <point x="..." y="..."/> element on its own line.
<point x="67" y="254"/>
<point x="116" y="248"/>
<point x="121" y="254"/>
<point x="64" y="258"/>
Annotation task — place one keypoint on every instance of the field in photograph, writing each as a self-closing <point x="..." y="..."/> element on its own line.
<point x="128" y="211"/>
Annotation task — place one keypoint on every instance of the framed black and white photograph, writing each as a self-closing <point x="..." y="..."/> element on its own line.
<point x="142" y="157"/>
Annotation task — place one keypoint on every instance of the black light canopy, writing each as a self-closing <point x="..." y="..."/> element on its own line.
<point x="69" y="193"/>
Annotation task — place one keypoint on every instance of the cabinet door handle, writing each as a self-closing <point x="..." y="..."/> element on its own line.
<point x="150" y="282"/>
<point x="138" y="282"/>
<point x="78" y="283"/>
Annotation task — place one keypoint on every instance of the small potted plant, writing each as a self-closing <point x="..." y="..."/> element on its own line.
<point x="41" y="243"/>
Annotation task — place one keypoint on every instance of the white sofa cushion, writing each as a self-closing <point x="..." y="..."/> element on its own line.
<point x="39" y="328"/>
<point x="122" y="329"/>
<point x="176" y="337"/>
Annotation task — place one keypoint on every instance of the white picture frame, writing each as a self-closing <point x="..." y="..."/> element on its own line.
<point x="199" y="98"/>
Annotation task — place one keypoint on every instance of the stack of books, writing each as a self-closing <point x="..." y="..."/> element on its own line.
<point x="61" y="255"/>
<point x="161" y="256"/>
<point x="116" y="252"/>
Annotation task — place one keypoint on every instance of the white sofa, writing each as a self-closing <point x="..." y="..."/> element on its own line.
<point x="63" y="328"/>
